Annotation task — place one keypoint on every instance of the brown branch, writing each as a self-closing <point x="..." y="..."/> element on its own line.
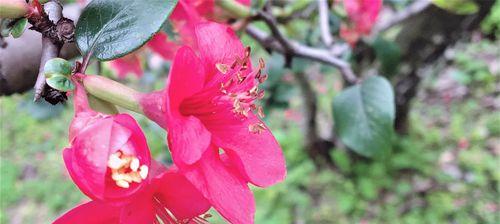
<point x="300" y="50"/>
<point x="55" y="31"/>
<point x="401" y="16"/>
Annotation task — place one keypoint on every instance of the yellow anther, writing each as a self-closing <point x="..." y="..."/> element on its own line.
<point x="143" y="171"/>
<point x="134" y="164"/>
<point x="123" y="184"/>
<point x="222" y="68"/>
<point x="126" y="169"/>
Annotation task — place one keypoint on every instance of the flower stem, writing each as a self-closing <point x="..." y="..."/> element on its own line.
<point x="235" y="8"/>
<point x="113" y="92"/>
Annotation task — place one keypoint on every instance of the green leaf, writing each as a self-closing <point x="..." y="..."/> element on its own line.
<point x="460" y="7"/>
<point x="57" y="66"/>
<point x="60" y="82"/>
<point x="19" y="27"/>
<point x="110" y="29"/>
<point x="389" y="55"/>
<point x="364" y="116"/>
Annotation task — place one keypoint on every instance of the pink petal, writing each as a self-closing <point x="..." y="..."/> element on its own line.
<point x="139" y="211"/>
<point x="188" y="139"/>
<point x="186" y="77"/>
<point x="129" y="64"/>
<point x="180" y="196"/>
<point x="257" y="155"/>
<point x="217" y="44"/>
<point x="93" y="212"/>
<point x="223" y="187"/>
<point x="160" y="45"/>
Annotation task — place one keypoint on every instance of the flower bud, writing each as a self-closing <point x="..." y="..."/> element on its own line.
<point x="13" y="8"/>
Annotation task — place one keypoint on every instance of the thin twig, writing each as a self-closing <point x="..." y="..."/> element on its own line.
<point x="324" y="24"/>
<point x="300" y="50"/>
<point x="50" y="49"/>
<point x="400" y="16"/>
<point x="273" y="25"/>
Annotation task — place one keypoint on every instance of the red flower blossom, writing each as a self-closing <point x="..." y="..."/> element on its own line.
<point x="184" y="18"/>
<point x="362" y="15"/>
<point x="109" y="158"/>
<point x="210" y="104"/>
<point x="170" y="197"/>
<point x="129" y="64"/>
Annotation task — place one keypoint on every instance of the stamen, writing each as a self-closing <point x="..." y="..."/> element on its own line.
<point x="256" y="128"/>
<point x="126" y="169"/>
<point x="223" y="68"/>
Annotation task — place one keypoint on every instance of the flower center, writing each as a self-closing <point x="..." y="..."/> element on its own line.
<point x="235" y="87"/>
<point x="126" y="169"/>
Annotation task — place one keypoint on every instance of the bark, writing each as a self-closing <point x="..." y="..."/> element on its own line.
<point x="423" y="39"/>
<point x="20" y="59"/>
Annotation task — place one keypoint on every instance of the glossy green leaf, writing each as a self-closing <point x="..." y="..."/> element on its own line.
<point x="60" y="82"/>
<point x="389" y="55"/>
<point x="364" y="116"/>
<point x="19" y="27"/>
<point x="109" y="29"/>
<point x="57" y="66"/>
<point x="461" y="7"/>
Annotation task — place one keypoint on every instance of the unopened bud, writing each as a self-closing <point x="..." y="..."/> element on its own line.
<point x="13" y="9"/>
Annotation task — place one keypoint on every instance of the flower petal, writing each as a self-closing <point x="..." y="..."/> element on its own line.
<point x="93" y="212"/>
<point x="139" y="211"/>
<point x="180" y="196"/>
<point x="223" y="187"/>
<point x="257" y="155"/>
<point x="129" y="64"/>
<point x="161" y="45"/>
<point x="188" y="139"/>
<point x="185" y="79"/>
<point x="217" y="44"/>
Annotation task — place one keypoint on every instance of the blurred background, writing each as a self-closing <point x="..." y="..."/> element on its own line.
<point x="445" y="158"/>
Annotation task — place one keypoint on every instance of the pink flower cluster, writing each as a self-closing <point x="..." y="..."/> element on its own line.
<point x="216" y="137"/>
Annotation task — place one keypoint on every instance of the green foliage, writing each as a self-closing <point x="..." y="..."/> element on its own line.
<point x="389" y="55"/>
<point x="58" y="71"/>
<point x="19" y="27"/>
<point x="461" y="7"/>
<point x="491" y="25"/>
<point x="111" y="29"/>
<point x="60" y="82"/>
<point x="364" y="116"/>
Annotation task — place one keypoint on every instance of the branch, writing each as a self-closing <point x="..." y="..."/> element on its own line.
<point x="49" y="49"/>
<point x="273" y="25"/>
<point x="324" y="22"/>
<point x="55" y="31"/>
<point x="400" y="16"/>
<point x="303" y="51"/>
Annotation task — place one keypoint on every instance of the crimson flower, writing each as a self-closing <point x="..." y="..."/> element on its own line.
<point x="169" y="198"/>
<point x="209" y="104"/>
<point x="362" y="15"/>
<point x="109" y="158"/>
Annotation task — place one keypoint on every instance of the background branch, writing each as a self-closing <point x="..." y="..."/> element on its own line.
<point x="302" y="51"/>
<point x="324" y="24"/>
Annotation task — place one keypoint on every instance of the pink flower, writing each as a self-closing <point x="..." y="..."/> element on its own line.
<point x="170" y="197"/>
<point x="109" y="158"/>
<point x="129" y="64"/>
<point x="363" y="15"/>
<point x="209" y="104"/>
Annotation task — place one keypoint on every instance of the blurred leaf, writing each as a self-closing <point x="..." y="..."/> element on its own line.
<point x="19" y="27"/>
<point x="364" y="116"/>
<point x="389" y="55"/>
<point x="461" y="7"/>
<point x="60" y="82"/>
<point x="110" y="29"/>
<point x="57" y="66"/>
